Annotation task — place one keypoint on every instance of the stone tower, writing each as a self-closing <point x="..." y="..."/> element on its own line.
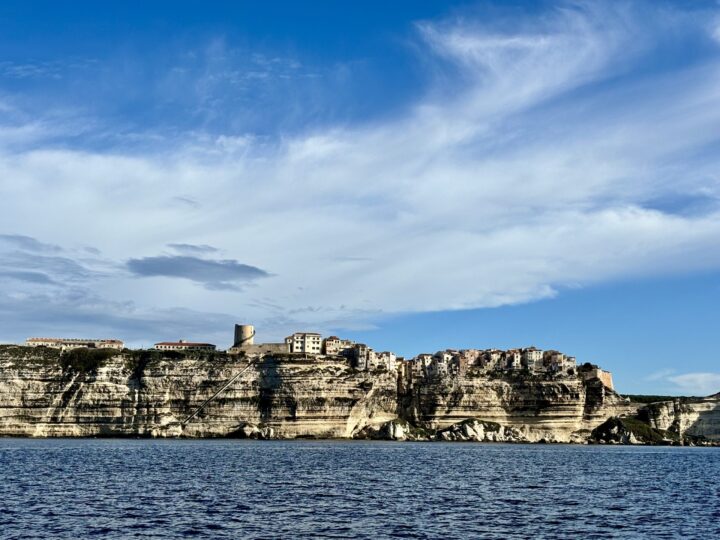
<point x="244" y="335"/>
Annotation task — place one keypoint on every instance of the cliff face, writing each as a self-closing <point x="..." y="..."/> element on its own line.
<point x="554" y="410"/>
<point x="685" y="416"/>
<point x="143" y="394"/>
<point x="293" y="398"/>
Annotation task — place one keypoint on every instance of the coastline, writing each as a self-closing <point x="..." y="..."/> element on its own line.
<point x="288" y="397"/>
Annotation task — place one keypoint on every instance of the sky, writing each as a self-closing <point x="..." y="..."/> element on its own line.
<point x="413" y="175"/>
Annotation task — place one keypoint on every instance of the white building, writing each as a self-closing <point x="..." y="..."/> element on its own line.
<point x="470" y="357"/>
<point x="424" y="359"/>
<point x="513" y="360"/>
<point x="182" y="345"/>
<point x="387" y="359"/>
<point x="69" y="343"/>
<point x="363" y="356"/>
<point x="492" y="358"/>
<point x="304" y="342"/>
<point x="555" y="360"/>
<point x="444" y="357"/>
<point x="533" y="359"/>
<point x="334" y="346"/>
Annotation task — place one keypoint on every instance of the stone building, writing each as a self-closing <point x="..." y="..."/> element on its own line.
<point x="595" y="372"/>
<point x="513" y="360"/>
<point x="388" y="360"/>
<point x="334" y="346"/>
<point x="70" y="343"/>
<point x="532" y="359"/>
<point x="244" y="343"/>
<point x="304" y="342"/>
<point x="362" y="356"/>
<point x="182" y="345"/>
<point x="557" y="362"/>
<point x="471" y="357"/>
<point x="492" y="359"/>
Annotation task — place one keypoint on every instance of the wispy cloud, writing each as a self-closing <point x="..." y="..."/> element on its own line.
<point x="75" y="312"/>
<point x="697" y="384"/>
<point x="193" y="248"/>
<point x="27" y="242"/>
<point x="660" y="375"/>
<point x="26" y="259"/>
<point x="546" y="152"/>
<point x="30" y="277"/>
<point x="214" y="274"/>
<point x="54" y="69"/>
<point x="186" y="201"/>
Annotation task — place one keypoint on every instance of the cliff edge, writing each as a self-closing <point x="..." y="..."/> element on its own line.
<point x="45" y="393"/>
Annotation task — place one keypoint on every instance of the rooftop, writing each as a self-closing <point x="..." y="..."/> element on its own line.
<point x="185" y="343"/>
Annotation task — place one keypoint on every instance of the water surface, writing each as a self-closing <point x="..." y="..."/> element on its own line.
<point x="85" y="488"/>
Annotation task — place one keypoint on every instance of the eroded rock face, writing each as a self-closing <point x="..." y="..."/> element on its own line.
<point x="481" y="431"/>
<point x="292" y="398"/>
<point x="694" y="417"/>
<point x="141" y="394"/>
<point x="394" y="430"/>
<point x="551" y="410"/>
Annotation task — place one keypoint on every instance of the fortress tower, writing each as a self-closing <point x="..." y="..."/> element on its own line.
<point x="244" y="335"/>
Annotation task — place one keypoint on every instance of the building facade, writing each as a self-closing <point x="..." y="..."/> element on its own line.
<point x="595" y="372"/>
<point x="514" y="360"/>
<point x="304" y="342"/>
<point x="69" y="343"/>
<point x="334" y="346"/>
<point x="533" y="359"/>
<point x="182" y="345"/>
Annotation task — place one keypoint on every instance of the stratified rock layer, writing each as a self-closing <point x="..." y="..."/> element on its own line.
<point x="285" y="396"/>
<point x="292" y="397"/>
<point x="693" y="417"/>
<point x="553" y="410"/>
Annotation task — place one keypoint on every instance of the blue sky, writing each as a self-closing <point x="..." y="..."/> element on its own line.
<point x="413" y="175"/>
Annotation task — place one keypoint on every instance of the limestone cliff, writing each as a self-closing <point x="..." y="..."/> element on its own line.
<point x="150" y="395"/>
<point x="144" y="393"/>
<point x="551" y="409"/>
<point x="692" y="417"/>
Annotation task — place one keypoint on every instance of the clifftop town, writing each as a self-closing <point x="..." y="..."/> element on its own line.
<point x="307" y="386"/>
<point x="460" y="362"/>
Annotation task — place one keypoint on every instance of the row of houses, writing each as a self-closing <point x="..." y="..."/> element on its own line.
<point x="459" y="361"/>
<point x="449" y="361"/>
<point x="363" y="357"/>
<point x="360" y="355"/>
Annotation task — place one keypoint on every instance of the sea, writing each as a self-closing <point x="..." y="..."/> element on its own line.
<point x="120" y="488"/>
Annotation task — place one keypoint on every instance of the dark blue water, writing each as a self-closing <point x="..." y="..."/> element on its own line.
<point x="238" y="489"/>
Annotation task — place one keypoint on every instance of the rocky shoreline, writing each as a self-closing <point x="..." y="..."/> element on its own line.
<point x="615" y="431"/>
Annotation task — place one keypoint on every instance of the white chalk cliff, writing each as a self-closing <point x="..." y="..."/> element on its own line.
<point x="149" y="394"/>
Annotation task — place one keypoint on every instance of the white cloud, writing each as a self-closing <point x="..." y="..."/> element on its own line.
<point x="524" y="175"/>
<point x="697" y="384"/>
<point x="660" y="375"/>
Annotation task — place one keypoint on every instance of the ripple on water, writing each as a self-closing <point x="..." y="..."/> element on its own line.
<point x="304" y="489"/>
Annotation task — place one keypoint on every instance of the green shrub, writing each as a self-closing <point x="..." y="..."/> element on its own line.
<point x="84" y="360"/>
<point x="649" y="399"/>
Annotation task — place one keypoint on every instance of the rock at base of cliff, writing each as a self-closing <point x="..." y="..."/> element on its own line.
<point x="470" y="430"/>
<point x="394" y="430"/>
<point x="631" y="430"/>
<point x="475" y="430"/>
<point x="246" y="430"/>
